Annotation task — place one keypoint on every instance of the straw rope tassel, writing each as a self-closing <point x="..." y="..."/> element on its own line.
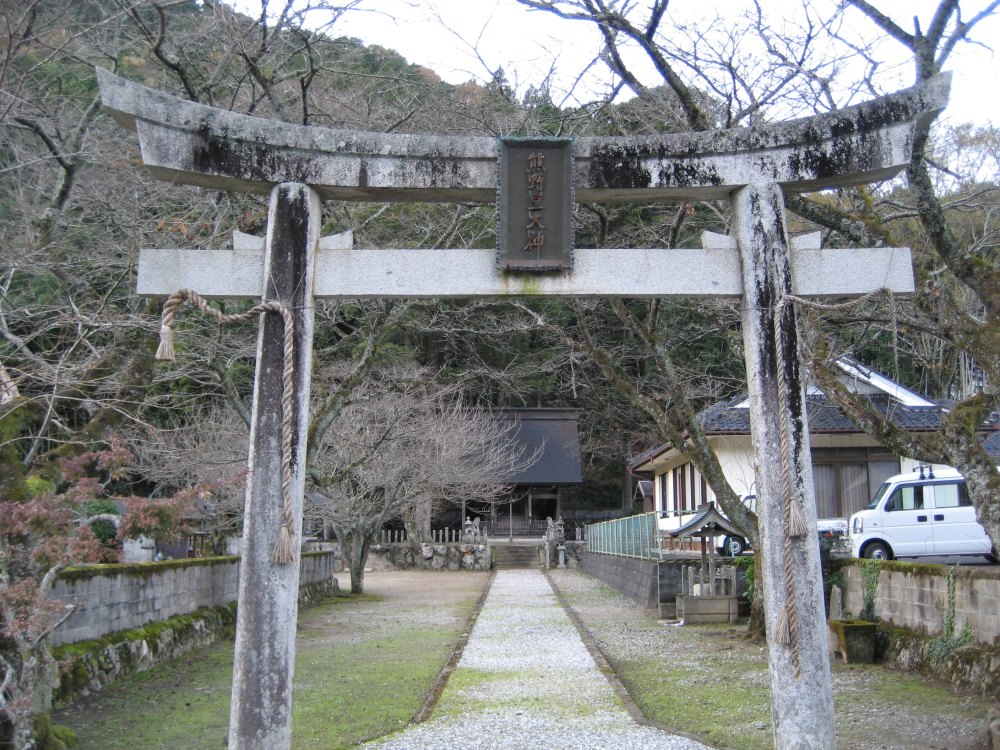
<point x="286" y="547"/>
<point x="165" y="350"/>
<point x="786" y="628"/>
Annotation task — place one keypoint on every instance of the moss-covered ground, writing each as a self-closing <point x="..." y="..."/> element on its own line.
<point x="364" y="666"/>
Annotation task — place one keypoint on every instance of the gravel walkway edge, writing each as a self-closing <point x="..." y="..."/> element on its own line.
<point x="608" y="671"/>
<point x="525" y="678"/>
<point x="456" y="655"/>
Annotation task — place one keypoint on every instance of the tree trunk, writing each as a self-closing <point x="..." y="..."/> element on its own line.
<point x="982" y="482"/>
<point x="6" y="732"/>
<point x="757" y="627"/>
<point x="357" y="558"/>
<point x="423" y="514"/>
<point x="413" y="538"/>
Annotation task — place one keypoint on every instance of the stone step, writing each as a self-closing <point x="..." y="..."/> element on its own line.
<point x="506" y="557"/>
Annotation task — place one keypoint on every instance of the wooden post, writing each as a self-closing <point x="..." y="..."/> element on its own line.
<point x="261" y="711"/>
<point x="802" y="710"/>
<point x="703" y="571"/>
<point x="710" y="543"/>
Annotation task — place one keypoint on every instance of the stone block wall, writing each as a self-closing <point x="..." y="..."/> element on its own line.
<point x="113" y="598"/>
<point x="86" y="667"/>
<point x="915" y="596"/>
<point x="433" y="556"/>
<point x="573" y="553"/>
<point x="637" y="579"/>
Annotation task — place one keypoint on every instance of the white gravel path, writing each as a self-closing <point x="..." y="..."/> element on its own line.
<point x="526" y="680"/>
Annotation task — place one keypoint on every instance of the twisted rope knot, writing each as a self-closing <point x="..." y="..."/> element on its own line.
<point x="285" y="548"/>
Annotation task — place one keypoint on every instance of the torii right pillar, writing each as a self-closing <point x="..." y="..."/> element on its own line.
<point x="793" y="595"/>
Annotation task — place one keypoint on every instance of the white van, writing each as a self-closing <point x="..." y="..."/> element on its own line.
<point x="918" y="514"/>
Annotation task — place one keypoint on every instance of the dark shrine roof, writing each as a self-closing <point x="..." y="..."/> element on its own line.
<point x="554" y="433"/>
<point x="708" y="521"/>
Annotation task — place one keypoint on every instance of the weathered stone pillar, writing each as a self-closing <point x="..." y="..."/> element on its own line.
<point x="261" y="712"/>
<point x="802" y="693"/>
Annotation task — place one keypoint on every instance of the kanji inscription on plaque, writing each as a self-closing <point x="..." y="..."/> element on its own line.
<point x="535" y="204"/>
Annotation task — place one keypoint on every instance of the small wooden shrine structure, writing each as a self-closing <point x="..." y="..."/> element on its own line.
<point x="708" y="590"/>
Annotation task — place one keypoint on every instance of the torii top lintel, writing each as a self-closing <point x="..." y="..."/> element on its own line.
<point x="194" y="144"/>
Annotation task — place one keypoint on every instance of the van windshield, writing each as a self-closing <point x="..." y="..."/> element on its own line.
<point x="878" y="496"/>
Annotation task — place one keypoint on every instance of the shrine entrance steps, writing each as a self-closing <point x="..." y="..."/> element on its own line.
<point x="521" y="554"/>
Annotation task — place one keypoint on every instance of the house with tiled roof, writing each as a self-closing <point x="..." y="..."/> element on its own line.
<point x="848" y="465"/>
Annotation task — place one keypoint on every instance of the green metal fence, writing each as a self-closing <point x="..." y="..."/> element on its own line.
<point x="635" y="536"/>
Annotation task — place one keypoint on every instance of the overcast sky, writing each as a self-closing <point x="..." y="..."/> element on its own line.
<point x="467" y="39"/>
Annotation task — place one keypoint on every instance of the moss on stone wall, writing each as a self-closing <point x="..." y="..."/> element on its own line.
<point x="83" y="572"/>
<point x="975" y="668"/>
<point x="985" y="572"/>
<point x="88" y="666"/>
<point x="49" y="736"/>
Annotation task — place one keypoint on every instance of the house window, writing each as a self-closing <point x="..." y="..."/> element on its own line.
<point x="663" y="492"/>
<point x="690" y="490"/>
<point x="845" y="479"/>
<point x="692" y="484"/>
<point x="680" y="489"/>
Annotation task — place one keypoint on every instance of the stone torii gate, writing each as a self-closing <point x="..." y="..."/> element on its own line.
<point x="299" y="166"/>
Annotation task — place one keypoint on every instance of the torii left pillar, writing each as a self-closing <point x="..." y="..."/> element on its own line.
<point x="261" y="711"/>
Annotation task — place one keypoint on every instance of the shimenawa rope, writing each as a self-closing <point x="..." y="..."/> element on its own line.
<point x="285" y="548"/>
<point x="786" y="628"/>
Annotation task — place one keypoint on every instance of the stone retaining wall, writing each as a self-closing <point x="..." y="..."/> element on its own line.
<point x="915" y="596"/>
<point x="89" y="666"/>
<point x="572" y="554"/>
<point x="433" y="556"/>
<point x="971" y="667"/>
<point x="115" y="598"/>
<point x="652" y="584"/>
<point x="637" y="579"/>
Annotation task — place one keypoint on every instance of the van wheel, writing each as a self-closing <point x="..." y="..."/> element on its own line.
<point x="733" y="546"/>
<point x="877" y="551"/>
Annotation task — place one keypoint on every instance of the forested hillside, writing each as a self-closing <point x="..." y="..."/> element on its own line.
<point x="76" y="343"/>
